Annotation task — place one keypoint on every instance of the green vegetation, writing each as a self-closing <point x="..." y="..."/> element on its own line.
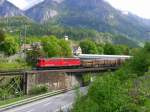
<point x="33" y="55"/>
<point x="126" y="90"/>
<point x="38" y="90"/>
<point x="19" y="63"/>
<point x="2" y="36"/>
<point x="86" y="79"/>
<point x="90" y="47"/>
<point x="12" y="100"/>
<point x="51" y="46"/>
<point x="109" y="49"/>
<point x="105" y="95"/>
<point x="10" y="87"/>
<point x="65" y="48"/>
<point x="10" y="46"/>
<point x="54" y="47"/>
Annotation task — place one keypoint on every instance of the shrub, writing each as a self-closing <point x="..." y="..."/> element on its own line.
<point x="109" y="94"/>
<point x="106" y="94"/>
<point x="38" y="90"/>
<point x="85" y="104"/>
<point x="86" y="79"/>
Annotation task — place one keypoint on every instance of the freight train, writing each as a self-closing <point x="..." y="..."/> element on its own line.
<point x="83" y="60"/>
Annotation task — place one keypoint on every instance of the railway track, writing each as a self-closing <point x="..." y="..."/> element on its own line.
<point x="11" y="72"/>
<point x="78" y="70"/>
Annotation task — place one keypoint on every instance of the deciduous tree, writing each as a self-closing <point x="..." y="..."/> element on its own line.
<point x="51" y="46"/>
<point x="88" y="47"/>
<point x="10" y="46"/>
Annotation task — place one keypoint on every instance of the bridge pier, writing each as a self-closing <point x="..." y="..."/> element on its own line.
<point x="54" y="81"/>
<point x="25" y="78"/>
<point x="74" y="80"/>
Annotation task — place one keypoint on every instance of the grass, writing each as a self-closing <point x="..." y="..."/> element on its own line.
<point x="147" y="103"/>
<point x="18" y="63"/>
<point x="12" y="100"/>
<point x="13" y="66"/>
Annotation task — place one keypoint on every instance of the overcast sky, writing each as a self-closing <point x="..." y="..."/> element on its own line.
<point x="138" y="7"/>
<point x="24" y="4"/>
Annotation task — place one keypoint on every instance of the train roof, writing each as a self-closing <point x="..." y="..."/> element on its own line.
<point x="58" y="58"/>
<point x="103" y="56"/>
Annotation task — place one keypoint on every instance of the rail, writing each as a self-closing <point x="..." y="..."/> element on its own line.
<point x="78" y="70"/>
<point x="12" y="72"/>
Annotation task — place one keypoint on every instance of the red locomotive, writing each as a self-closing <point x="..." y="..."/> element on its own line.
<point x="58" y="62"/>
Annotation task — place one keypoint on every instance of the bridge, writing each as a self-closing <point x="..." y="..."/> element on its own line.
<point x="55" y="78"/>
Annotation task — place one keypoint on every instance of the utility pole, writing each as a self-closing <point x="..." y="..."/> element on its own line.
<point x="24" y="40"/>
<point x="25" y="33"/>
<point x="25" y="76"/>
<point x="20" y="43"/>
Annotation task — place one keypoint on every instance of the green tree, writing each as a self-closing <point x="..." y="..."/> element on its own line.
<point x="10" y="46"/>
<point x="88" y="47"/>
<point x="100" y="48"/>
<point x="65" y="48"/>
<point x="147" y="46"/>
<point x="33" y="55"/>
<point x="140" y="62"/>
<point x="109" y="49"/>
<point x="51" y="46"/>
<point x="121" y="50"/>
<point x="2" y="36"/>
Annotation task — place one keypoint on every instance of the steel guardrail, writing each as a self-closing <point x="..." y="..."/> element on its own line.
<point x="30" y="100"/>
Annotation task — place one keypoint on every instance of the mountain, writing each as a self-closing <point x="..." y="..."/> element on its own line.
<point x="85" y="14"/>
<point x="93" y="14"/>
<point x="7" y="9"/>
<point x="44" y="11"/>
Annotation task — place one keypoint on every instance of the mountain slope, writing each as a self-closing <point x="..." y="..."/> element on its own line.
<point x="44" y="11"/>
<point x="101" y="16"/>
<point x="7" y="9"/>
<point x="88" y="14"/>
<point x="94" y="14"/>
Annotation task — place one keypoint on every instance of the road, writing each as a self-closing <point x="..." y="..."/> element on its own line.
<point x="51" y="104"/>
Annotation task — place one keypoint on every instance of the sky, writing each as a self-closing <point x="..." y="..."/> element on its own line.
<point x="138" y="7"/>
<point x="25" y="4"/>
